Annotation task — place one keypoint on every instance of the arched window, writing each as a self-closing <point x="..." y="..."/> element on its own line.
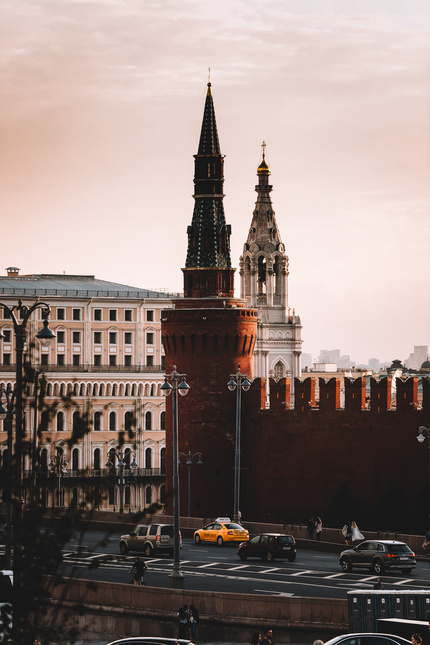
<point x="279" y="371"/>
<point x="148" y="458"/>
<point x="163" y="460"/>
<point x="97" y="458"/>
<point x="261" y="275"/>
<point x="162" y="494"/>
<point x="152" y="390"/>
<point x="44" y="459"/>
<point x="75" y="459"/>
<point x="97" y="421"/>
<point x="128" y="421"/>
<point x="163" y="421"/>
<point x="127" y="496"/>
<point x="76" y="421"/>
<point x="112" y="421"/>
<point x="60" y="421"/>
<point x="148" y="496"/>
<point x="127" y="457"/>
<point x="148" y="421"/>
<point x="44" y="420"/>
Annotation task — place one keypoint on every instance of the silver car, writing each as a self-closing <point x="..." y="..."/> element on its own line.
<point x="149" y="539"/>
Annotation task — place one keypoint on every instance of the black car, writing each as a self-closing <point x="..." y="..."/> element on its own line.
<point x="268" y="546"/>
<point x="379" y="555"/>
<point x="368" y="639"/>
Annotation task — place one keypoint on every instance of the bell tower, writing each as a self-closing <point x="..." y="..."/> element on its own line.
<point x="264" y="270"/>
<point x="208" y="335"/>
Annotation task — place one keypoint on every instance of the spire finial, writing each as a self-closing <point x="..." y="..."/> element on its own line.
<point x="263" y="147"/>
<point x="209" y="77"/>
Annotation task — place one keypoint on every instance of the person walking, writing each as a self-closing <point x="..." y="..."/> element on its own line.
<point x="318" y="527"/>
<point x="347" y="532"/>
<point x="256" y="638"/>
<point x="193" y="621"/>
<point x="267" y="636"/>
<point x="355" y="533"/>
<point x="311" y="528"/>
<point x="426" y="542"/>
<point x="138" y="567"/>
<point x="378" y="584"/>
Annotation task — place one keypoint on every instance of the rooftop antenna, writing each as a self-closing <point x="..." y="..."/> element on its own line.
<point x="209" y="74"/>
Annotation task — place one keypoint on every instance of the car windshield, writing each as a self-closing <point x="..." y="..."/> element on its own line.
<point x="231" y="525"/>
<point x="284" y="539"/>
<point x="398" y="548"/>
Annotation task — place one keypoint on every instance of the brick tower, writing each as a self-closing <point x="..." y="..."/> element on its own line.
<point x="207" y="335"/>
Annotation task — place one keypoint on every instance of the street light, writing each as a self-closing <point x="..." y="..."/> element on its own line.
<point x="120" y="455"/>
<point x="189" y="457"/>
<point x="176" y="577"/>
<point x="6" y="414"/>
<point x="238" y="382"/>
<point x="421" y="439"/>
<point x="19" y="315"/>
<point x="58" y="467"/>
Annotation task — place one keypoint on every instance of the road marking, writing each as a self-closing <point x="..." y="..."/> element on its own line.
<point x="274" y="593"/>
<point x="204" y="566"/>
<point x="334" y="575"/>
<point x="403" y="582"/>
<point x="241" y="566"/>
<point x="369" y="578"/>
<point x="302" y="573"/>
<point x="270" y="570"/>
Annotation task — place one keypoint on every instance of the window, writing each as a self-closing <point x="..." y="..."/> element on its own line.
<point x="97" y="421"/>
<point x="112" y="421"/>
<point x="44" y="421"/>
<point x="97" y="314"/>
<point x="112" y="314"/>
<point x="60" y="421"/>
<point x="163" y="363"/>
<point x="61" y="335"/>
<point x="127" y="361"/>
<point x="6" y="358"/>
<point x="97" y="459"/>
<point x="149" y="315"/>
<point x="61" y="313"/>
<point x="97" y="337"/>
<point x="149" y="361"/>
<point x="128" y="421"/>
<point x="97" y="360"/>
<point x="128" y="338"/>
<point x="148" y="421"/>
<point x="150" y="338"/>
<point x="148" y="458"/>
<point x="76" y="336"/>
<point x="75" y="459"/>
<point x="163" y="459"/>
<point x="76" y="359"/>
<point x="60" y="359"/>
<point x="112" y="360"/>
<point x="6" y="335"/>
<point x="6" y="314"/>
<point x="112" y="337"/>
<point x="77" y="422"/>
<point x="76" y="314"/>
<point x="128" y="315"/>
<point x="43" y="359"/>
<point x="163" y="421"/>
<point x="148" y="496"/>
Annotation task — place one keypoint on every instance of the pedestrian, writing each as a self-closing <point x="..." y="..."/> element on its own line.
<point x="426" y="542"/>
<point x="311" y="528"/>
<point x="193" y="621"/>
<point x="183" y="622"/>
<point x="256" y="638"/>
<point x="416" y="639"/>
<point x="347" y="532"/>
<point x="139" y="567"/>
<point x="318" y="642"/>
<point x="267" y="636"/>
<point x="378" y="584"/>
<point x="355" y="532"/>
<point x="318" y="527"/>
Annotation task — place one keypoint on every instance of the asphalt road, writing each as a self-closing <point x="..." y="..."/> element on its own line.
<point x="208" y="567"/>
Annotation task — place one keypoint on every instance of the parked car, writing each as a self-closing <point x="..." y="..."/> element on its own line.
<point x="368" y="639"/>
<point x="220" y="531"/>
<point x="150" y="640"/>
<point x="150" y="539"/>
<point x="379" y="555"/>
<point x="268" y="546"/>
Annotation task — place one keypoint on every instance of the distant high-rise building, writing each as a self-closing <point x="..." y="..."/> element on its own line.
<point x="417" y="358"/>
<point x="374" y="364"/>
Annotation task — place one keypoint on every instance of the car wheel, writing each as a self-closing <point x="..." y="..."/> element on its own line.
<point x="377" y="567"/>
<point x="242" y="555"/>
<point x="219" y="540"/>
<point x="123" y="548"/>
<point x="197" y="538"/>
<point x="406" y="571"/>
<point x="147" y="550"/>
<point x="345" y="564"/>
<point x="292" y="557"/>
<point x="268" y="556"/>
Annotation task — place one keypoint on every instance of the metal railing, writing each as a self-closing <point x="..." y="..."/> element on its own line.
<point x="94" y="369"/>
<point x="100" y="472"/>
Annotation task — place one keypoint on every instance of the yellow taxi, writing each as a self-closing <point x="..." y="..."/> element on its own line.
<point x="221" y="530"/>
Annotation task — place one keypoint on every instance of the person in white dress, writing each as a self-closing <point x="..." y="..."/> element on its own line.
<point x="356" y="535"/>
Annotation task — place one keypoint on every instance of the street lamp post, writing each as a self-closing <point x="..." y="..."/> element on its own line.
<point x="6" y="414"/>
<point x="421" y="439"/>
<point x="19" y="315"/>
<point x="238" y="382"/>
<point x="178" y="384"/>
<point x="119" y="454"/>
<point x="189" y="457"/>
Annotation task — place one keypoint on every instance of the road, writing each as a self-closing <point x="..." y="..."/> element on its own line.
<point x="208" y="567"/>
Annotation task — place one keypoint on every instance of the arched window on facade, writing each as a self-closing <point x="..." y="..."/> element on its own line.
<point x="127" y="457"/>
<point x="112" y="421"/>
<point x="128" y="421"/>
<point x="279" y="371"/>
<point x="261" y="275"/>
<point x="97" y="459"/>
<point x="277" y="275"/>
<point x="97" y="421"/>
<point x="148" y="458"/>
<point x="75" y="459"/>
<point x="152" y="390"/>
<point x="162" y="494"/>
<point x="148" y="496"/>
<point x="44" y="421"/>
<point x="163" y="460"/>
<point x="76" y="421"/>
<point x="163" y="420"/>
<point x="148" y="420"/>
<point x="44" y="459"/>
<point x="60" y="421"/>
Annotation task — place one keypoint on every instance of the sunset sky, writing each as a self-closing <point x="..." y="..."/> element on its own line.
<point x="101" y="109"/>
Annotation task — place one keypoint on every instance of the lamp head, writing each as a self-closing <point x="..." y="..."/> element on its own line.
<point x="246" y="384"/>
<point x="133" y="463"/>
<point x="420" y="438"/>
<point x="166" y="388"/>
<point x="3" y="412"/>
<point x="45" y="335"/>
<point x="231" y="385"/>
<point x="183" y="387"/>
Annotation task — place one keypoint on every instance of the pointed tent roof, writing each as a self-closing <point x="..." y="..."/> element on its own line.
<point x="209" y="143"/>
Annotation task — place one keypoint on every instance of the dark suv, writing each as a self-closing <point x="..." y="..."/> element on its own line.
<point x="379" y="555"/>
<point x="268" y="546"/>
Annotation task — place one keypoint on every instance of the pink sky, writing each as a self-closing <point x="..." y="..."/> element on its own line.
<point x="101" y="109"/>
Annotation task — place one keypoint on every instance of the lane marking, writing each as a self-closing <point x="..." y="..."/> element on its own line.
<point x="204" y="566"/>
<point x="270" y="570"/>
<point x="333" y="575"/>
<point x="369" y="578"/>
<point x="403" y="582"/>
<point x="240" y="566"/>
<point x="302" y="573"/>
<point x="274" y="593"/>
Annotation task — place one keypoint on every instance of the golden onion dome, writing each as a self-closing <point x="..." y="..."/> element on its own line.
<point x="263" y="168"/>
